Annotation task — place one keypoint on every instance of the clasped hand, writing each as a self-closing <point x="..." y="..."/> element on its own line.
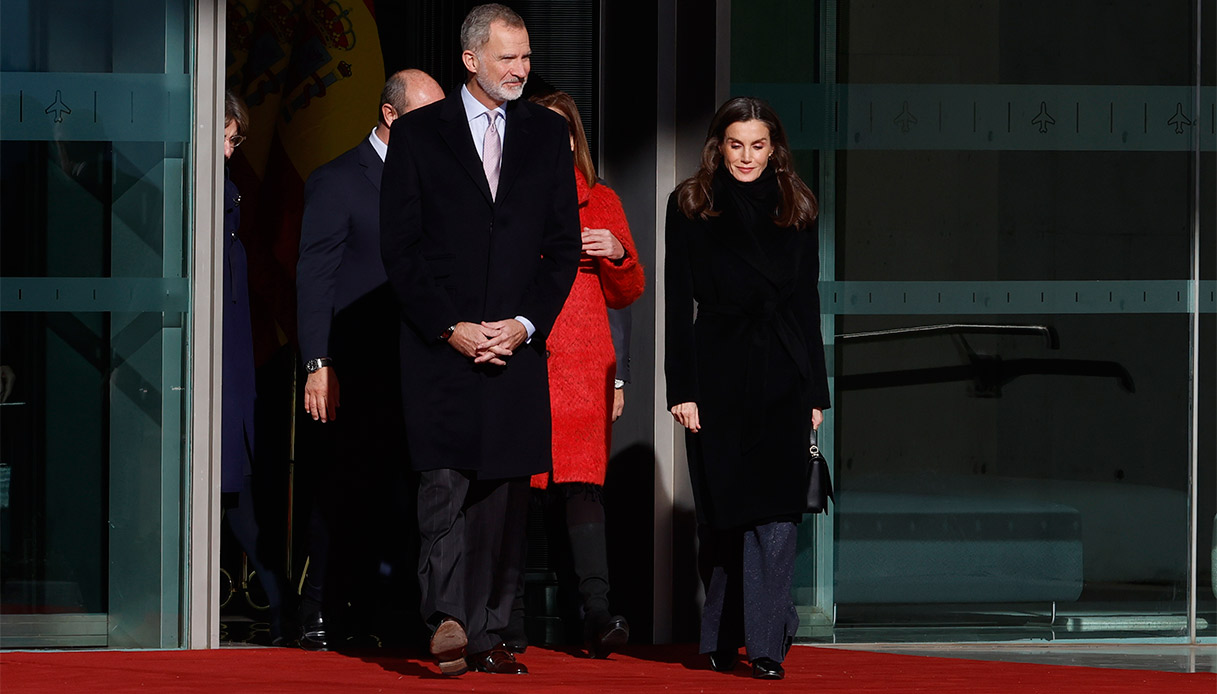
<point x="600" y="243"/>
<point x="488" y="342"/>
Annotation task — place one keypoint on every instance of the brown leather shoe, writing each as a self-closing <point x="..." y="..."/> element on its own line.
<point x="448" y="646"/>
<point x="497" y="660"/>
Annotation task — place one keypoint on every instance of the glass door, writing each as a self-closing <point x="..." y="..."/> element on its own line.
<point x="1015" y="200"/>
<point x="94" y="134"/>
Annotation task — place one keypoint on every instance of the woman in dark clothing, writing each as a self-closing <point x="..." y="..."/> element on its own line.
<point x="238" y="394"/>
<point x="745" y="374"/>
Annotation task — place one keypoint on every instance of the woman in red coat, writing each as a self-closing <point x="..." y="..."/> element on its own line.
<point x="581" y="372"/>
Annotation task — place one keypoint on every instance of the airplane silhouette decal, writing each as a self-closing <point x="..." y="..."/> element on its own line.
<point x="1179" y="119"/>
<point x="58" y="108"/>
<point x="1042" y="118"/>
<point x="905" y="120"/>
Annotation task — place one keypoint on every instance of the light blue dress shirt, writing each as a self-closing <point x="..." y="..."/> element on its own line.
<point x="475" y="111"/>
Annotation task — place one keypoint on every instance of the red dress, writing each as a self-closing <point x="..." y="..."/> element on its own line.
<point x="582" y="363"/>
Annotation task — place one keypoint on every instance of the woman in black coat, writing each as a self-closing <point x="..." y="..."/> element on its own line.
<point x="745" y="374"/>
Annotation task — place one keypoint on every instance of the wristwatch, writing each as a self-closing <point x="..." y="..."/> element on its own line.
<point x="447" y="333"/>
<point x="313" y="364"/>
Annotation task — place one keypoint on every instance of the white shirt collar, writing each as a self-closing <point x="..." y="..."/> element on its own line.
<point x="382" y="148"/>
<point x="474" y="111"/>
<point x="475" y="108"/>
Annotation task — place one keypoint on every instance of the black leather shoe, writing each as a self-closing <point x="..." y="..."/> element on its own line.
<point x="767" y="669"/>
<point x="313" y="635"/>
<point x="514" y="636"/>
<point x="497" y="661"/>
<point x="516" y="644"/>
<point x="608" y="636"/>
<point x="723" y="661"/>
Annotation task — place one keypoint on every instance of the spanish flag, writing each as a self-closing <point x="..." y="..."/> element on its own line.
<point x="310" y="73"/>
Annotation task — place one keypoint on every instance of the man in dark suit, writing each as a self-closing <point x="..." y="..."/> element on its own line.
<point x="348" y="325"/>
<point x="480" y="238"/>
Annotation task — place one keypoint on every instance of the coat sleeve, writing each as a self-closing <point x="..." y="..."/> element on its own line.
<point x="424" y="304"/>
<point x="808" y="297"/>
<point x="680" y="359"/>
<point x="622" y="282"/>
<point x="323" y="232"/>
<point x="621" y="326"/>
<point x="560" y="241"/>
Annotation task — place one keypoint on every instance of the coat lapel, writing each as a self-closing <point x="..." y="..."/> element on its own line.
<point x="371" y="164"/>
<point x="516" y="148"/>
<point x="454" y="128"/>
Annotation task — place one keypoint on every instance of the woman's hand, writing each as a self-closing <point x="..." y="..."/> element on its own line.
<point x="817" y="418"/>
<point x="686" y="414"/>
<point x="600" y="243"/>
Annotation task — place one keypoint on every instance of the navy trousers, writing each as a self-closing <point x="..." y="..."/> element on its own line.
<point x="747" y="576"/>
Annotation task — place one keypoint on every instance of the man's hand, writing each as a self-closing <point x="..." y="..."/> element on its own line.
<point x="618" y="402"/>
<point x="503" y="337"/>
<point x="686" y="414"/>
<point x="600" y="243"/>
<point x="321" y="394"/>
<point x="466" y="337"/>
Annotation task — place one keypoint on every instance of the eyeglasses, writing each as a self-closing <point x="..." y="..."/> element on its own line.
<point x="235" y="140"/>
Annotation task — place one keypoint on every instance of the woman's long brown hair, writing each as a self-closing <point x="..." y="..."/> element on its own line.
<point x="564" y="104"/>
<point x="799" y="207"/>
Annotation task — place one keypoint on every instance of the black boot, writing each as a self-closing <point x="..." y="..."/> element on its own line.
<point x="603" y="632"/>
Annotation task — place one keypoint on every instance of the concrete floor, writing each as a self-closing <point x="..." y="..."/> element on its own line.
<point x="1159" y="657"/>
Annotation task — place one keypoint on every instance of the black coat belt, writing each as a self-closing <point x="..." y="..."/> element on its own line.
<point x="771" y="317"/>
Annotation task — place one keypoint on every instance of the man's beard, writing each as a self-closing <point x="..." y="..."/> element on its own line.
<point x="499" y="92"/>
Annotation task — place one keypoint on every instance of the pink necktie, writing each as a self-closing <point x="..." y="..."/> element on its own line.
<point x="492" y="153"/>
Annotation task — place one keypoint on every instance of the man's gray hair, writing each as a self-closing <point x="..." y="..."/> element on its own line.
<point x="475" y="30"/>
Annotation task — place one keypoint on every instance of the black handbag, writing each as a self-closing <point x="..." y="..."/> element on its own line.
<point x="819" y="484"/>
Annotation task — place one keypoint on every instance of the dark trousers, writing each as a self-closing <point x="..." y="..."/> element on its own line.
<point x="356" y="471"/>
<point x="240" y="514"/>
<point x="747" y="576"/>
<point x="472" y="554"/>
<point x="359" y="484"/>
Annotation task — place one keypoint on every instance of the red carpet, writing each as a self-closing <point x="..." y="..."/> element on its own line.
<point x="668" y="669"/>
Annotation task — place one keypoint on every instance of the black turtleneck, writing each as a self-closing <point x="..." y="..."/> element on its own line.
<point x="753" y="202"/>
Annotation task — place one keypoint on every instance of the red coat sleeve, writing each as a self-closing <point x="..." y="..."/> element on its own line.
<point x="622" y="283"/>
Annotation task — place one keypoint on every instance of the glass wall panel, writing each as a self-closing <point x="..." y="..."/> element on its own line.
<point x="94" y="131"/>
<point x="997" y="478"/>
<point x="1014" y="200"/>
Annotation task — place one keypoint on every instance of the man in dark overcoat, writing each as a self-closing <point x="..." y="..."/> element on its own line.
<point x="348" y="326"/>
<point x="480" y="239"/>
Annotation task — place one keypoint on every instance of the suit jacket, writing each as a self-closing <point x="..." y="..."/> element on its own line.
<point x="344" y="306"/>
<point x="453" y="253"/>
